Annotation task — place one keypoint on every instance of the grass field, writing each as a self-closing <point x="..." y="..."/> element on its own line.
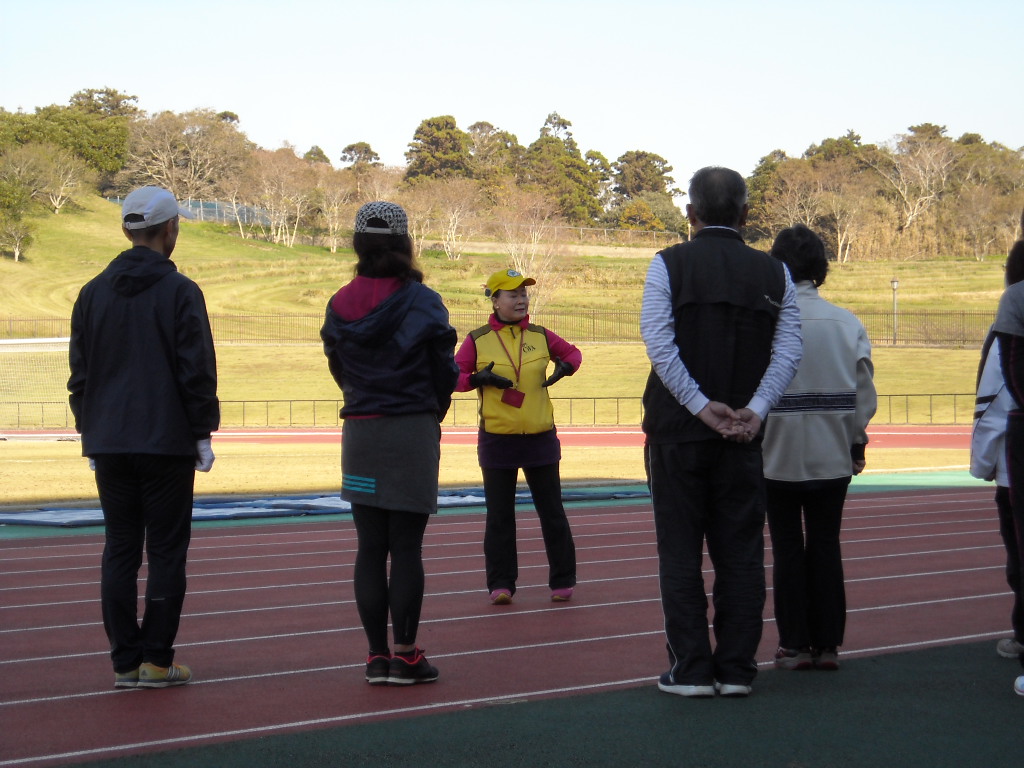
<point x="246" y="276"/>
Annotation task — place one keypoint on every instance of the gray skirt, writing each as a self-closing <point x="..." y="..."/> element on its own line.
<point x="391" y="462"/>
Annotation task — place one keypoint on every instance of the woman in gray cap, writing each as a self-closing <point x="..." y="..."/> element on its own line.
<point x="390" y="348"/>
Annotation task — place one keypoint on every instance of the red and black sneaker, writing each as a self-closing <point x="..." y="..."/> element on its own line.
<point x="410" y="668"/>
<point x="378" y="668"/>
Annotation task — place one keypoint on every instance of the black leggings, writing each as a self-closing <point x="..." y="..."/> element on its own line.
<point x="382" y="532"/>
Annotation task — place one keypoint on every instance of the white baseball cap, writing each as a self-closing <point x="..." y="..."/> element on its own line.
<point x="155" y="205"/>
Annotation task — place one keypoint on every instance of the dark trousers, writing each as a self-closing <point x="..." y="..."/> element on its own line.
<point x="710" y="491"/>
<point x="384" y="532"/>
<point x="500" y="554"/>
<point x="809" y="592"/>
<point x="1008" y="527"/>
<point x="147" y="502"/>
<point x="1015" y="467"/>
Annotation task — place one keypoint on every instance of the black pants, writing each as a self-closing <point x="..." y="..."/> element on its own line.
<point x="809" y="592"/>
<point x="384" y="532"/>
<point x="1008" y="530"/>
<point x="500" y="554"/>
<point x="1015" y="467"/>
<point x="147" y="502"/>
<point x="710" y="490"/>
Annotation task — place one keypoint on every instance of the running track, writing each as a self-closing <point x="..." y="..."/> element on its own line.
<point x="885" y="436"/>
<point x="272" y="634"/>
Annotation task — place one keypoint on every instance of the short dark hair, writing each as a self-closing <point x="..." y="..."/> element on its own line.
<point x="147" y="233"/>
<point x="1015" y="263"/>
<point x="717" y="196"/>
<point x="383" y="255"/>
<point x="803" y="252"/>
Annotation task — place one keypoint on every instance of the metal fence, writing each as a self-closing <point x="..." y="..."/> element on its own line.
<point x="950" y="328"/>
<point x="575" y="411"/>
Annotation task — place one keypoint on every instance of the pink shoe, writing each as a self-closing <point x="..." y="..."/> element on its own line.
<point x="561" y="595"/>
<point x="501" y="597"/>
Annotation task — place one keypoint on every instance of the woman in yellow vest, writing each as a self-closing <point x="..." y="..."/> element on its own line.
<point x="506" y="361"/>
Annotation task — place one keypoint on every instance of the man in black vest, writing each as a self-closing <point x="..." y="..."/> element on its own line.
<point x="722" y="331"/>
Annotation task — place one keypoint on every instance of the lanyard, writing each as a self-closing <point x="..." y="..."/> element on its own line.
<point x="509" y="356"/>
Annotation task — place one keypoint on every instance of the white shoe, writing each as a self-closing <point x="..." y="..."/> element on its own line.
<point x="668" y="685"/>
<point x="1009" y="648"/>
<point x="734" y="690"/>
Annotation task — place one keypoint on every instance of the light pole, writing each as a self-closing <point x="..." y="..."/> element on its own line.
<point x="895" y="283"/>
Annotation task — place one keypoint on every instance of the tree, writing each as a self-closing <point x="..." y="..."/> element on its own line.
<point x="793" y="198"/>
<point x="636" y="214"/>
<point x="496" y="156"/>
<point x="363" y="159"/>
<point x="438" y="149"/>
<point x="284" y="186"/>
<point x="15" y="234"/>
<point x="106" y="102"/>
<point x="916" y="170"/>
<point x="421" y="207"/>
<point x="97" y="138"/>
<point x="316" y="155"/>
<point x="832" y="149"/>
<point x="555" y="166"/>
<point x="15" y="206"/>
<point x="664" y="207"/>
<point x="455" y="202"/>
<point x="187" y="153"/>
<point x="637" y="172"/>
<point x="531" y="230"/>
<point x="360" y="154"/>
<point x="761" y="181"/>
<point x="334" y="201"/>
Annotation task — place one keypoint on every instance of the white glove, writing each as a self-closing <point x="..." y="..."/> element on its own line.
<point x="204" y="455"/>
<point x="92" y="464"/>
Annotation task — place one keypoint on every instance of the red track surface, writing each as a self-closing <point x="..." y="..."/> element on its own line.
<point x="897" y="436"/>
<point x="273" y="637"/>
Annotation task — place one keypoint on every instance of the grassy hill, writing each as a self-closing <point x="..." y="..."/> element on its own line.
<point x="246" y="276"/>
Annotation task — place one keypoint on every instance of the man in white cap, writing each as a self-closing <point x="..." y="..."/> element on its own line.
<point x="144" y="395"/>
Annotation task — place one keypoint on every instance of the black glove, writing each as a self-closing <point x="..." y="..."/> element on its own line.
<point x="562" y="368"/>
<point x="486" y="378"/>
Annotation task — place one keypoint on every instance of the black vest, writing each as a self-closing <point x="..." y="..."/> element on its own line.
<point x="726" y="299"/>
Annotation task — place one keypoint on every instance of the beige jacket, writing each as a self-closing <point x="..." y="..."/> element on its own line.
<point x="827" y="407"/>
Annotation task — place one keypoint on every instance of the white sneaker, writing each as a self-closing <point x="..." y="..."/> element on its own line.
<point x="667" y="684"/>
<point x="733" y="690"/>
<point x="1009" y="648"/>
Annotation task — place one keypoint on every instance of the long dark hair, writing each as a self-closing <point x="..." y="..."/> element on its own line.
<point x="385" y="255"/>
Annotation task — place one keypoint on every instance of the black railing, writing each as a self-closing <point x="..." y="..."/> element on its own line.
<point x="574" y="411"/>
<point x="949" y="328"/>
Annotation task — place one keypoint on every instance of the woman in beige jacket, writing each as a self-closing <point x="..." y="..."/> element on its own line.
<point x="814" y="443"/>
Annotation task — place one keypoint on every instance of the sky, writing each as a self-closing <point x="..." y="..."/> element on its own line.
<point x="713" y="83"/>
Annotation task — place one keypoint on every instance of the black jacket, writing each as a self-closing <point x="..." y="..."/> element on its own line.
<point x="143" y="368"/>
<point x="398" y="359"/>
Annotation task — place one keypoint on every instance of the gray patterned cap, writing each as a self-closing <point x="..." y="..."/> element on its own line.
<point x="390" y="213"/>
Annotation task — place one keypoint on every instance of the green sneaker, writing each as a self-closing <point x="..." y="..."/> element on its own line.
<point x="129" y="679"/>
<point x="152" y="676"/>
